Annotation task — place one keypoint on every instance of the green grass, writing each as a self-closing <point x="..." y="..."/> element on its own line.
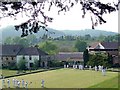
<point x="69" y="78"/>
<point x="111" y="83"/>
<point x="6" y="72"/>
<point x="65" y="45"/>
<point x="68" y="45"/>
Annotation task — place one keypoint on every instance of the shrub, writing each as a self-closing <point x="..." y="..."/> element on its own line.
<point x="22" y="64"/>
<point x="12" y="66"/>
<point x="55" y="63"/>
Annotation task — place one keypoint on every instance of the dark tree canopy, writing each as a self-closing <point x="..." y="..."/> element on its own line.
<point x="80" y="45"/>
<point x="36" y="8"/>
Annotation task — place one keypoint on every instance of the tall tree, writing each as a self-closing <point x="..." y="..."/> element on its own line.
<point x="86" y="57"/>
<point x="37" y="8"/>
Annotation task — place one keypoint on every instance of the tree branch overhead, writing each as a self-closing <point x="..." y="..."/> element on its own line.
<point x="35" y="9"/>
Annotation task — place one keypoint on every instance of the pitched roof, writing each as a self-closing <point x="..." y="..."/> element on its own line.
<point x="106" y="45"/>
<point x="10" y="50"/>
<point x="69" y="55"/>
<point x="31" y="51"/>
<point x="41" y="52"/>
<point x="94" y="45"/>
<point x="13" y="50"/>
<point x="110" y="45"/>
<point x="28" y="51"/>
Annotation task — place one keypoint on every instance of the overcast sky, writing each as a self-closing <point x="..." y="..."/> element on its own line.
<point x="72" y="20"/>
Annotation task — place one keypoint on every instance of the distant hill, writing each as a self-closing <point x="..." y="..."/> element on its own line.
<point x="88" y="31"/>
<point x="10" y="31"/>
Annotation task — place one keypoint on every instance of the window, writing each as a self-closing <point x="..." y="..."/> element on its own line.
<point x="6" y="58"/>
<point x="23" y="57"/>
<point x="30" y="58"/>
<point x="12" y="58"/>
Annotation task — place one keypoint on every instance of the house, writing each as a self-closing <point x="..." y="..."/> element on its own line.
<point x="70" y="57"/>
<point x="110" y="48"/>
<point x="30" y="54"/>
<point x="8" y="54"/>
<point x="13" y="53"/>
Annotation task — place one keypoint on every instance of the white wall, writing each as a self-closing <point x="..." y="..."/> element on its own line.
<point x="33" y="57"/>
<point x="100" y="46"/>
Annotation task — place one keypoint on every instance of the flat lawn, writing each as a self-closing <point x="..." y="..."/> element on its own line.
<point x="69" y="78"/>
<point x="6" y="72"/>
<point x="111" y="83"/>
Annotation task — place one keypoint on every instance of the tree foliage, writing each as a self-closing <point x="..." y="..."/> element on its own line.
<point x="12" y="66"/>
<point x="26" y="41"/>
<point x="35" y="9"/>
<point x="99" y="59"/>
<point x="55" y="63"/>
<point x="86" y="57"/>
<point x="32" y="39"/>
<point x="36" y="64"/>
<point x="21" y="64"/>
<point x="8" y="40"/>
<point x="80" y="45"/>
<point x="49" y="47"/>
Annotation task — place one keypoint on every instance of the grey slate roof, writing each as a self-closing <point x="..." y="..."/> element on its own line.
<point x="13" y="50"/>
<point x="10" y="50"/>
<point x="31" y="51"/>
<point x="110" y="45"/>
<point x="106" y="45"/>
<point x="69" y="55"/>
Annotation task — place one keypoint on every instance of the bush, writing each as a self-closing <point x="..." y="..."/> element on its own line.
<point x="22" y="64"/>
<point x="12" y="66"/>
<point x="98" y="59"/>
<point x="36" y="64"/>
<point x="55" y="63"/>
<point x="4" y="67"/>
